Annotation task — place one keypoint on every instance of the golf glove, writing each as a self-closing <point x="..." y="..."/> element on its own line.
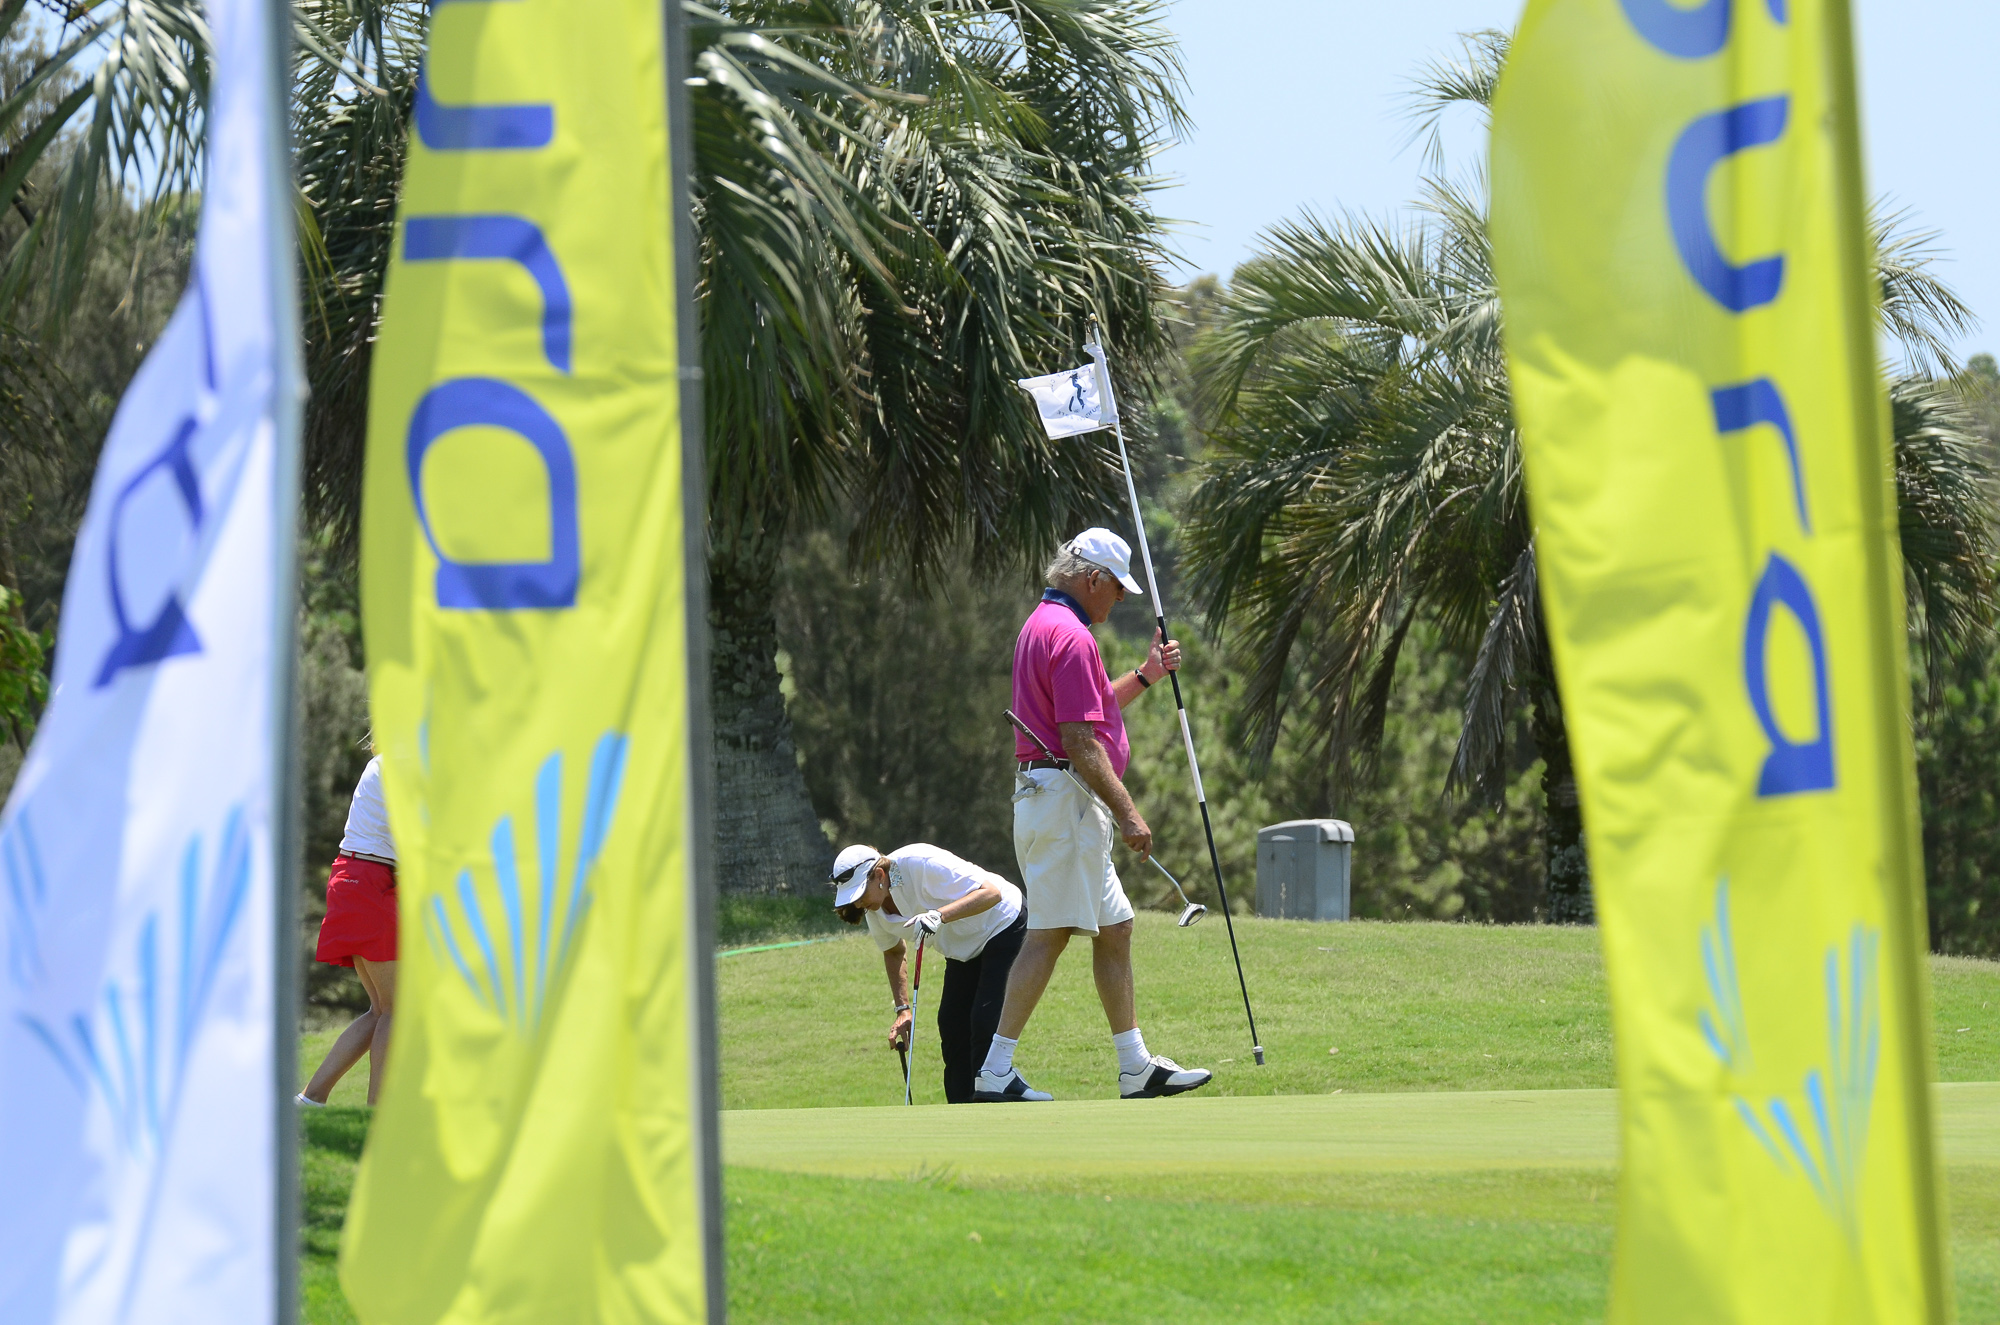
<point x="924" y="925"/>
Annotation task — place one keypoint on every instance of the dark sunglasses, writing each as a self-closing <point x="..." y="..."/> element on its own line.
<point x="848" y="873"/>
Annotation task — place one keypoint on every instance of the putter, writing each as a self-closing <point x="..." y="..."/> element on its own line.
<point x="1193" y="911"/>
<point x="916" y="983"/>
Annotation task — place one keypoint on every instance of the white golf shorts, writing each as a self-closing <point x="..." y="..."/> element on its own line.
<point x="1062" y="838"/>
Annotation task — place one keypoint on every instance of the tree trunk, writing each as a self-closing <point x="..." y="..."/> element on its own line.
<point x="767" y="837"/>
<point x="1568" y="889"/>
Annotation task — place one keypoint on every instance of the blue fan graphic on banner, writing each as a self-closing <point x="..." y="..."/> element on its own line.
<point x="27" y="894"/>
<point x="1827" y="1138"/>
<point x="511" y="944"/>
<point x="131" y="1047"/>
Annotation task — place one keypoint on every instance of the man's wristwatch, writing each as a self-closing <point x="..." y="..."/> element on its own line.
<point x="902" y="1007"/>
<point x="1143" y="682"/>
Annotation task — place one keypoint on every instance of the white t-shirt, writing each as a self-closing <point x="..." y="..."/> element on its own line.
<point x="367" y="818"/>
<point x="927" y="878"/>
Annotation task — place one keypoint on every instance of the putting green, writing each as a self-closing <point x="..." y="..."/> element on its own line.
<point x="1285" y="1134"/>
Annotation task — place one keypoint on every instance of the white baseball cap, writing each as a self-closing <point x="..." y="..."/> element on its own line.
<point x="1103" y="548"/>
<point x="851" y="869"/>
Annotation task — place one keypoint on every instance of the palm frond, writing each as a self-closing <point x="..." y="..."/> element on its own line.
<point x="1512" y="652"/>
<point x="1945" y="488"/>
<point x="1467" y="79"/>
<point x="1919" y="311"/>
<point x="130" y="77"/>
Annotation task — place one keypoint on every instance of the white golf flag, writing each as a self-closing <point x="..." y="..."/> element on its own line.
<point x="137" y="1035"/>
<point x="1070" y="403"/>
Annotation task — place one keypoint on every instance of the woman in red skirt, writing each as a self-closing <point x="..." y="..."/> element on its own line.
<point x="360" y="931"/>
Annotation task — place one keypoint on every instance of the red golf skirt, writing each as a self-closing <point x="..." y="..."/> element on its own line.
<point x="360" y="913"/>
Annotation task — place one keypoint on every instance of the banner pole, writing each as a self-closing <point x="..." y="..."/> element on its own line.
<point x="1095" y="346"/>
<point x="703" y="886"/>
<point x="287" y="827"/>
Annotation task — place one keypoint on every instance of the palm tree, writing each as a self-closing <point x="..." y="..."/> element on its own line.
<point x="902" y="207"/>
<point x="989" y="161"/>
<point x="1365" y="475"/>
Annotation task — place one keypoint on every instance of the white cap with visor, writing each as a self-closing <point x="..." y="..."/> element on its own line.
<point x="851" y="869"/>
<point x="1101" y="547"/>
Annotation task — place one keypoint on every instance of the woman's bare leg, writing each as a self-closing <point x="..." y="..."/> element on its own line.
<point x="381" y="978"/>
<point x="346" y="1050"/>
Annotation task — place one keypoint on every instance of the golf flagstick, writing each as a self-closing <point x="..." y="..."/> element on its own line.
<point x="1095" y="348"/>
<point x="916" y="983"/>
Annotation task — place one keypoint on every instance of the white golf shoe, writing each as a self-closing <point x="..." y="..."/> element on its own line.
<point x="1161" y="1076"/>
<point x="989" y="1088"/>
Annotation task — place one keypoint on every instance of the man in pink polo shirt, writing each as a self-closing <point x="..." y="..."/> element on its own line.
<point x="1065" y="811"/>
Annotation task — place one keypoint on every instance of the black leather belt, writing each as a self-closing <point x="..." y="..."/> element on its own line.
<point x="1044" y="763"/>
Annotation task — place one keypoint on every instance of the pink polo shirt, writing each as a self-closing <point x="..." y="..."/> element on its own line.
<point x="1059" y="677"/>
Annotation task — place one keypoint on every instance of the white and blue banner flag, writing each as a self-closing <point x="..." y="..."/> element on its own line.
<point x="138" y="951"/>
<point x="1070" y="403"/>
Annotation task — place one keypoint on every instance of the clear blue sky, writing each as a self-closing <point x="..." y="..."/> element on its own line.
<point x="1300" y="103"/>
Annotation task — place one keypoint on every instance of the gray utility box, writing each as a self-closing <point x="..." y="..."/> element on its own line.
<point x="1302" y="869"/>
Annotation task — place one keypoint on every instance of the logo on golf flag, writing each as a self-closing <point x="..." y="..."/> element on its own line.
<point x="1070" y="403"/>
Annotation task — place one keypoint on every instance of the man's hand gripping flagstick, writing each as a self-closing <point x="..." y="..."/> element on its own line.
<point x="1059" y="420"/>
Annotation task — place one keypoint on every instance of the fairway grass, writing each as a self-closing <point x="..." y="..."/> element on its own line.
<point x="1492" y="1206"/>
<point x="1464" y="1171"/>
<point x="1409" y="1007"/>
<point x="830" y="1249"/>
<point x="1295" y="1137"/>
<point x="1280" y="1244"/>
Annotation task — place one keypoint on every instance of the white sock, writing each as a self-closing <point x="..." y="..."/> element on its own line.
<point x="1000" y="1058"/>
<point x="1132" y="1053"/>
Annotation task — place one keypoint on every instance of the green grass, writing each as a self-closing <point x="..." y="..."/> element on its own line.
<point x="1523" y="1245"/>
<point x="1373" y="1206"/>
<point x="831" y="1249"/>
<point x="330" y="1149"/>
<point x="1409" y="1006"/>
<point x="1439" y="1206"/>
<point x="745" y="921"/>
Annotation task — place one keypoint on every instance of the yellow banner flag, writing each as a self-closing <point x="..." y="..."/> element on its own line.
<point x="1680" y="243"/>
<point x="545" y="1148"/>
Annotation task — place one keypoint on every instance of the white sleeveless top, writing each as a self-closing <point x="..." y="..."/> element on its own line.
<point x="367" y="818"/>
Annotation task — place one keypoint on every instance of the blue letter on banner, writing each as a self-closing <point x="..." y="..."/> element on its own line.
<point x="168" y="635"/>
<point x="1791" y="766"/>
<point x="1691" y="34"/>
<point x="1703" y="146"/>
<point x="1746" y="406"/>
<point x="470" y="402"/>
<point x="445" y="128"/>
<point x="500" y="239"/>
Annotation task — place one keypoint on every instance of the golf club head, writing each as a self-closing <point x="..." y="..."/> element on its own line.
<point x="1195" y="911"/>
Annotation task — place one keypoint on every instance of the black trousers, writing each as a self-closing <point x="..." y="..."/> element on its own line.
<point x="969" y="1009"/>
